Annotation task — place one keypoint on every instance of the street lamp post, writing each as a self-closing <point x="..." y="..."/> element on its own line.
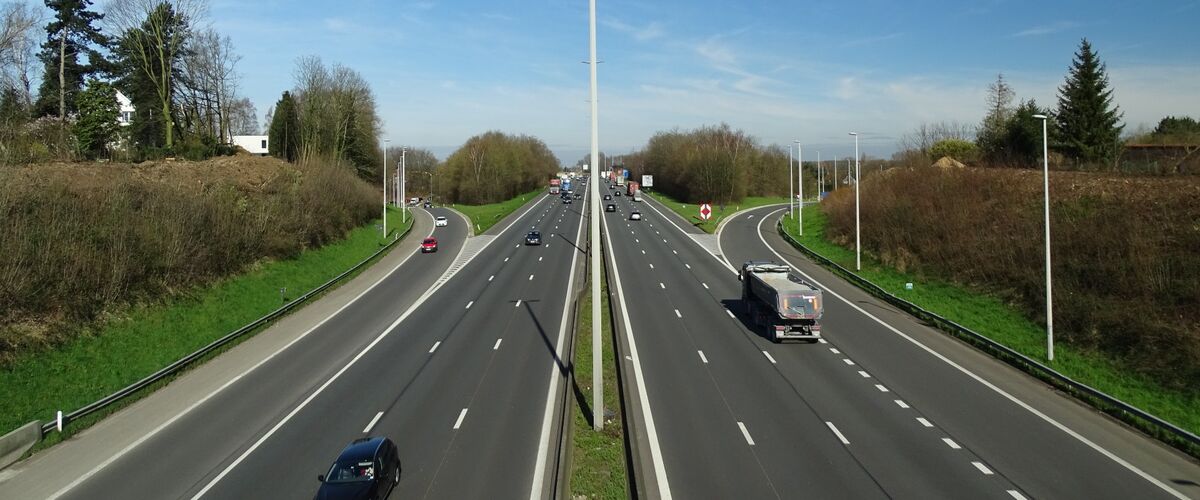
<point x="403" y="200"/>
<point x="385" y="200"/>
<point x="800" y="183"/>
<point x="791" y="187"/>
<point x="857" y="220"/>
<point x="820" y="183"/>
<point x="594" y="230"/>
<point x="1046" y="204"/>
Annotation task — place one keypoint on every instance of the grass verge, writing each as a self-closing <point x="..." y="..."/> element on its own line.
<point x="486" y="216"/>
<point x="144" y="338"/>
<point x="691" y="211"/>
<point x="597" y="458"/>
<point x="996" y="320"/>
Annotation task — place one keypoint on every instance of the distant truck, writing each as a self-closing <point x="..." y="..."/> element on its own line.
<point x="787" y="306"/>
<point x="554" y="185"/>
<point x="633" y="189"/>
<point x="566" y="185"/>
<point x="620" y="176"/>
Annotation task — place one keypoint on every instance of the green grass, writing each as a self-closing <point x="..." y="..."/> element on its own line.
<point x="597" y="458"/>
<point x="485" y="216"/>
<point x="691" y="211"/>
<point x="996" y="320"/>
<point x="144" y="338"/>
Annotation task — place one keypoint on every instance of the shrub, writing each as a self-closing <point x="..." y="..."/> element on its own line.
<point x="958" y="149"/>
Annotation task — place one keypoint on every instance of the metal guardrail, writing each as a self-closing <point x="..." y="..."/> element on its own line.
<point x="214" y="345"/>
<point x="1158" y="428"/>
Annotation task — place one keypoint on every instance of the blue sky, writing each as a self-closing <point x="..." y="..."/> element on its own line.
<point x="445" y="70"/>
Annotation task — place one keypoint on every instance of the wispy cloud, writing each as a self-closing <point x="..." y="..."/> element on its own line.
<point x="1046" y="29"/>
<point x="639" y="33"/>
<point x="715" y="51"/>
<point x="871" y="40"/>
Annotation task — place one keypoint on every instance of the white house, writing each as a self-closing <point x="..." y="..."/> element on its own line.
<point x="254" y="144"/>
<point x="126" y="105"/>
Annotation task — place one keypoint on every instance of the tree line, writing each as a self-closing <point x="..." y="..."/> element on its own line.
<point x="179" y="75"/>
<point x="493" y="167"/>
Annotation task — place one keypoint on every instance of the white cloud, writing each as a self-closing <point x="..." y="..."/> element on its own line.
<point x="1046" y="29"/>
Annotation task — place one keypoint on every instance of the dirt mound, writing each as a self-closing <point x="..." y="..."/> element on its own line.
<point x="948" y="162"/>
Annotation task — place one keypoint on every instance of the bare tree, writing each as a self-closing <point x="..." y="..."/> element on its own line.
<point x="18" y="24"/>
<point x="243" y="117"/>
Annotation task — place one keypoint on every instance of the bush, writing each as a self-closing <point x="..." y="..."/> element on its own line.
<point x="958" y="149"/>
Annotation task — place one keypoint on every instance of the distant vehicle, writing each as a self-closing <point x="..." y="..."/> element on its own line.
<point x="617" y="193"/>
<point x="440" y="221"/>
<point x="637" y="196"/>
<point x="633" y="189"/>
<point x="578" y="196"/>
<point x="555" y="184"/>
<point x="533" y="238"/>
<point x="414" y="201"/>
<point x="566" y="200"/>
<point x="608" y="197"/>
<point x="610" y="208"/>
<point x="635" y="215"/>
<point x="368" y="468"/>
<point x="789" y="307"/>
<point x="427" y="204"/>
<point x="429" y="244"/>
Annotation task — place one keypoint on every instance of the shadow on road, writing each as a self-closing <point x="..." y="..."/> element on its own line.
<point x="738" y="308"/>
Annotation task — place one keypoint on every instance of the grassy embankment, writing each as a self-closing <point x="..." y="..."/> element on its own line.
<point x="146" y="338"/>
<point x="484" y="217"/>
<point x="597" y="458"/>
<point x="1005" y="324"/>
<point x="691" y="211"/>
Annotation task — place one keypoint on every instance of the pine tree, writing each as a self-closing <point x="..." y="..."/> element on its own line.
<point x="69" y="34"/>
<point x="994" y="129"/>
<point x="284" y="134"/>
<point x="1087" y="119"/>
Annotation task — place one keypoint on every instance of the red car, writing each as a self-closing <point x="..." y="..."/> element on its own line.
<point x="429" y="245"/>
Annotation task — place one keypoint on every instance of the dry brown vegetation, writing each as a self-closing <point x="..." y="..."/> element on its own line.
<point x="80" y="240"/>
<point x="1126" y="251"/>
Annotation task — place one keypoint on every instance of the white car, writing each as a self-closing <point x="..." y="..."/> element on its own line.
<point x="635" y="216"/>
<point x="440" y="221"/>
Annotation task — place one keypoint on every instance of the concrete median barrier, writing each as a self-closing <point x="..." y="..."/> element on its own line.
<point x="16" y="443"/>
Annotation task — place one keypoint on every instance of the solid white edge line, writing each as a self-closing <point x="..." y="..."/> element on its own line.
<point x="372" y="423"/>
<point x="924" y="422"/>
<point x="145" y="437"/>
<point x="703" y="357"/>
<point x="837" y="433"/>
<point x="950" y="442"/>
<point x="497" y="346"/>
<point x="539" y="468"/>
<point x="435" y="346"/>
<point x="660" y="470"/>
<point x="982" y="468"/>
<point x="420" y="300"/>
<point x="461" y="415"/>
<point x="730" y="313"/>
<point x="1067" y="430"/>
<point x="746" y="434"/>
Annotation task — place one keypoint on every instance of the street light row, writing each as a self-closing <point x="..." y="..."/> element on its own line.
<point x="793" y="203"/>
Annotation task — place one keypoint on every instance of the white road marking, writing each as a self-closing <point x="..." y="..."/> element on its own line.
<point x="705" y="285"/>
<point x="1056" y="424"/>
<point x="768" y="355"/>
<point x="497" y="346"/>
<point x="506" y="259"/>
<point x="672" y="251"/>
<point x="643" y="252"/>
<point x="492" y="277"/>
<point x="687" y="266"/>
<point x="530" y="277"/>
<point x="864" y="374"/>
<point x="834" y="350"/>
<point x="1016" y="495"/>
<point x="661" y="285"/>
<point x="746" y="434"/>
<point x="837" y="433"/>
<point x="635" y="240"/>
<point x="651" y="266"/>
<point x="539" y="259"/>
<point x="730" y="313"/>
<point x="461" y="415"/>
<point x="950" y="442"/>
<point x="518" y="303"/>
<point x="924" y="422"/>
<point x="677" y="314"/>
<point x="881" y="388"/>
<point x="435" y="346"/>
<point x="664" y="241"/>
<point x="372" y="423"/>
<point x="702" y="358"/>
<point x="848" y="361"/>
<point x="470" y="303"/>
<point x="518" y="246"/>
<point x="823" y="341"/>
<point x="901" y="403"/>
<point x="982" y="468"/>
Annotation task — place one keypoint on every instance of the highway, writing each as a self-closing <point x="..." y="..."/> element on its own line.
<point x="884" y="407"/>
<point x="459" y="378"/>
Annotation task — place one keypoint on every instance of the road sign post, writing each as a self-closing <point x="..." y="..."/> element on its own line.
<point x="705" y="211"/>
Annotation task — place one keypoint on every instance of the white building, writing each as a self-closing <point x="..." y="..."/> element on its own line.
<point x="126" y="105"/>
<point x="254" y="144"/>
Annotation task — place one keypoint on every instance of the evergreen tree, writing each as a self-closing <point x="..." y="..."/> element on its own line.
<point x="97" y="125"/>
<point x="994" y="129"/>
<point x="1183" y="129"/>
<point x="284" y="135"/>
<point x="1023" y="134"/>
<point x="1087" y="119"/>
<point x="147" y="130"/>
<point x="69" y="34"/>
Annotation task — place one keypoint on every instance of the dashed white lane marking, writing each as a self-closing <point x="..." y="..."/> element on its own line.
<point x="848" y="361"/>
<point x="661" y="285"/>
<point x="823" y="341"/>
<point x="435" y="346"/>
<point x="1016" y="495"/>
<point x="864" y="374"/>
<point x="730" y="313"/>
<point x="705" y="285"/>
<point x="664" y="241"/>
<point x="746" y="434"/>
<point x="677" y="314"/>
<point x="547" y="245"/>
<point x="982" y="468"/>
<point x="518" y="246"/>
<point x="530" y="277"/>
<point x="902" y="404"/>
<point x="651" y="266"/>
<point x="672" y="251"/>
<point x="372" y="423"/>
<point x="702" y="357"/>
<point x="837" y="433"/>
<point x="506" y="259"/>
<point x="834" y="350"/>
<point x="539" y="259"/>
<point x="924" y="422"/>
<point x="635" y="240"/>
<point x="518" y="303"/>
<point x="461" y="415"/>
<point x="497" y="346"/>
<point x="643" y="252"/>
<point x="950" y="442"/>
<point x="881" y="388"/>
<point x="470" y="303"/>
<point x="768" y="355"/>
<point x="687" y="266"/>
<point x="492" y="277"/>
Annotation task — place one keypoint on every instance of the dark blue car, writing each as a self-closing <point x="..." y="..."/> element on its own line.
<point x="369" y="468"/>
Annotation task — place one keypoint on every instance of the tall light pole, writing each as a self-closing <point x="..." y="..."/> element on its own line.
<point x="597" y="345"/>
<point x="820" y="179"/>
<point x="791" y="187"/>
<point x="1046" y="203"/>
<point x="403" y="196"/>
<point x="800" y="182"/>
<point x="385" y="200"/>
<point x="857" y="220"/>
